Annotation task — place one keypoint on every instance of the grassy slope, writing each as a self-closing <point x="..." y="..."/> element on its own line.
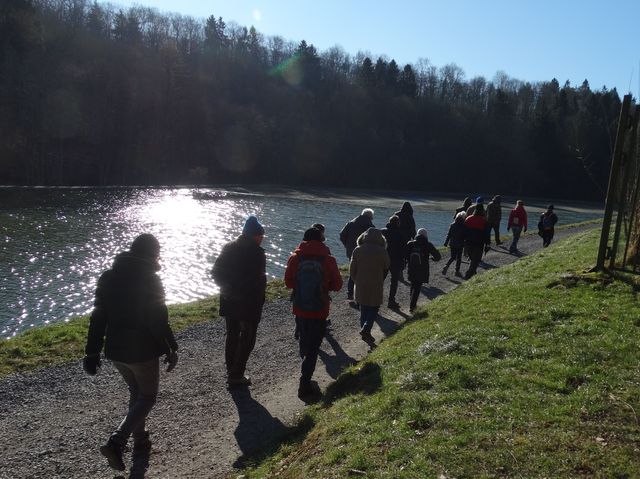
<point x="521" y="372"/>
<point x="59" y="343"/>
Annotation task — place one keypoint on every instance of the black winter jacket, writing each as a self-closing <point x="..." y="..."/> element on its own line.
<point x="130" y="316"/>
<point x="352" y="231"/>
<point x="418" y="267"/>
<point x="455" y="235"/>
<point x="407" y="223"/>
<point x="240" y="273"/>
<point x="395" y="246"/>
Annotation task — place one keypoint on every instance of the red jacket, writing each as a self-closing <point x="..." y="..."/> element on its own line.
<point x="331" y="281"/>
<point x="517" y="217"/>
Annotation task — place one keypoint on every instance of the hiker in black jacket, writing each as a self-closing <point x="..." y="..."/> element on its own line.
<point x="418" y="252"/>
<point x="407" y="223"/>
<point x="240" y="272"/>
<point x="349" y="237"/>
<point x="455" y="241"/>
<point x="130" y="319"/>
<point x="396" y="249"/>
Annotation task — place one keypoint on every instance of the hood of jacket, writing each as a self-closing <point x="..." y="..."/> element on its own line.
<point x="406" y="208"/>
<point x="373" y="236"/>
<point x="128" y="263"/>
<point x="312" y="248"/>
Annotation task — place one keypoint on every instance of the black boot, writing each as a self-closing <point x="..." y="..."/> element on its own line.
<point x="113" y="450"/>
<point x="140" y="456"/>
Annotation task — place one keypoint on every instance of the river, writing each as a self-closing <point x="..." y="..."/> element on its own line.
<point x="55" y="242"/>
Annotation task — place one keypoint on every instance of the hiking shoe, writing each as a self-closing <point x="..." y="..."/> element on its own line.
<point x="239" y="382"/>
<point x="113" y="453"/>
<point x="350" y="296"/>
<point x="444" y="270"/>
<point x="393" y="305"/>
<point x="458" y="274"/>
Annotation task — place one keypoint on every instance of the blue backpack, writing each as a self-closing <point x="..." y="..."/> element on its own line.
<point x="307" y="295"/>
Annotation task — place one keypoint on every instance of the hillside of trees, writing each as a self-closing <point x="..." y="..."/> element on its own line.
<point x="94" y="95"/>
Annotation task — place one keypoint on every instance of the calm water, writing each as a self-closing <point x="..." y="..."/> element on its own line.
<point x="54" y="243"/>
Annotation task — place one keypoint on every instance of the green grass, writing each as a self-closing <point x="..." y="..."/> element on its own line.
<point x="530" y="370"/>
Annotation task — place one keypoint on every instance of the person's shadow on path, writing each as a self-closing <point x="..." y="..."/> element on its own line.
<point x="256" y="426"/>
<point x="431" y="292"/>
<point x="336" y="363"/>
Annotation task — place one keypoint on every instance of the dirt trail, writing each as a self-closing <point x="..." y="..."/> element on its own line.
<point x="52" y="421"/>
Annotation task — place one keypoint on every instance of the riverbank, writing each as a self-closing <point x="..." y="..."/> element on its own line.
<point x="527" y="371"/>
<point x="53" y="419"/>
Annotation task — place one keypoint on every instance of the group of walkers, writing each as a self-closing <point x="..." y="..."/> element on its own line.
<point x="130" y="317"/>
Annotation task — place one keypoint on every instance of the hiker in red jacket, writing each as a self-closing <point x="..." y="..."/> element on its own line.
<point x="517" y="224"/>
<point x="476" y="238"/>
<point x="311" y="272"/>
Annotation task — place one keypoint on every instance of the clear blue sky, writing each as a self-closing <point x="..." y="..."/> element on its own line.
<point x="531" y="40"/>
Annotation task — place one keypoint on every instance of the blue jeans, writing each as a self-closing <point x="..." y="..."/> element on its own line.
<point x="368" y="315"/>
<point x="517" y="230"/>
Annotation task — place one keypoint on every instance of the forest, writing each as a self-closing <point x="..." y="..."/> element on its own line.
<point x="92" y="94"/>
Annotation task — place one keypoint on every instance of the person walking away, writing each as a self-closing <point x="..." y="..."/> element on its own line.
<point x="517" y="224"/>
<point x="418" y="251"/>
<point x="476" y="238"/>
<point x="239" y="271"/>
<point x="369" y="265"/>
<point x="349" y="237"/>
<point x="472" y="208"/>
<point x="455" y="241"/>
<point x="311" y="273"/>
<point x="407" y="223"/>
<point x="546" y="226"/>
<point x="131" y="321"/>
<point x="396" y="249"/>
<point x="465" y="206"/>
<point x="494" y="216"/>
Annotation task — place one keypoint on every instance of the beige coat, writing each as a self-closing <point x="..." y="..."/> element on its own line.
<point x="369" y="265"/>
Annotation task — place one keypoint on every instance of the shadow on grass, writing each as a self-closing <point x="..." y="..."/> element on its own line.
<point x="339" y="361"/>
<point x="363" y="380"/>
<point x="259" y="435"/>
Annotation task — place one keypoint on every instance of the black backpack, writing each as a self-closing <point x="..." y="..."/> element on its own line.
<point x="307" y="295"/>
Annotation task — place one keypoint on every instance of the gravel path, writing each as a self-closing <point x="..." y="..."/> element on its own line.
<point x="52" y="421"/>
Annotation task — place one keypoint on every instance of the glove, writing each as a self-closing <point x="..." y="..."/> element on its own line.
<point x="90" y="364"/>
<point x="171" y="359"/>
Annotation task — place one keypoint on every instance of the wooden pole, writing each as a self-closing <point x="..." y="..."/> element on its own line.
<point x="625" y="166"/>
<point x="634" y="166"/>
<point x="613" y="181"/>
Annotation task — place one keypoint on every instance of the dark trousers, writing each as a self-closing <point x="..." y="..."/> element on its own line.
<point x="368" y="315"/>
<point x="475" y="256"/>
<point x="143" y="380"/>
<point x="312" y="332"/>
<point x="496" y="230"/>
<point x="456" y="255"/>
<point x="547" y="236"/>
<point x="517" y="231"/>
<point x="240" y="341"/>
<point x="395" y="273"/>
<point x="414" y="293"/>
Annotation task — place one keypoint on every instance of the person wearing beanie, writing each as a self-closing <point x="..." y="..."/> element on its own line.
<point x="240" y="273"/>
<point x="418" y="252"/>
<point x="320" y="227"/>
<point x="546" y="226"/>
<point x="395" y="247"/>
<point x="479" y="202"/>
<point x="349" y="237"/>
<point x="311" y="273"/>
<point x="369" y="265"/>
<point x="131" y="321"/>
<point x="517" y="224"/>
<point x="494" y="216"/>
